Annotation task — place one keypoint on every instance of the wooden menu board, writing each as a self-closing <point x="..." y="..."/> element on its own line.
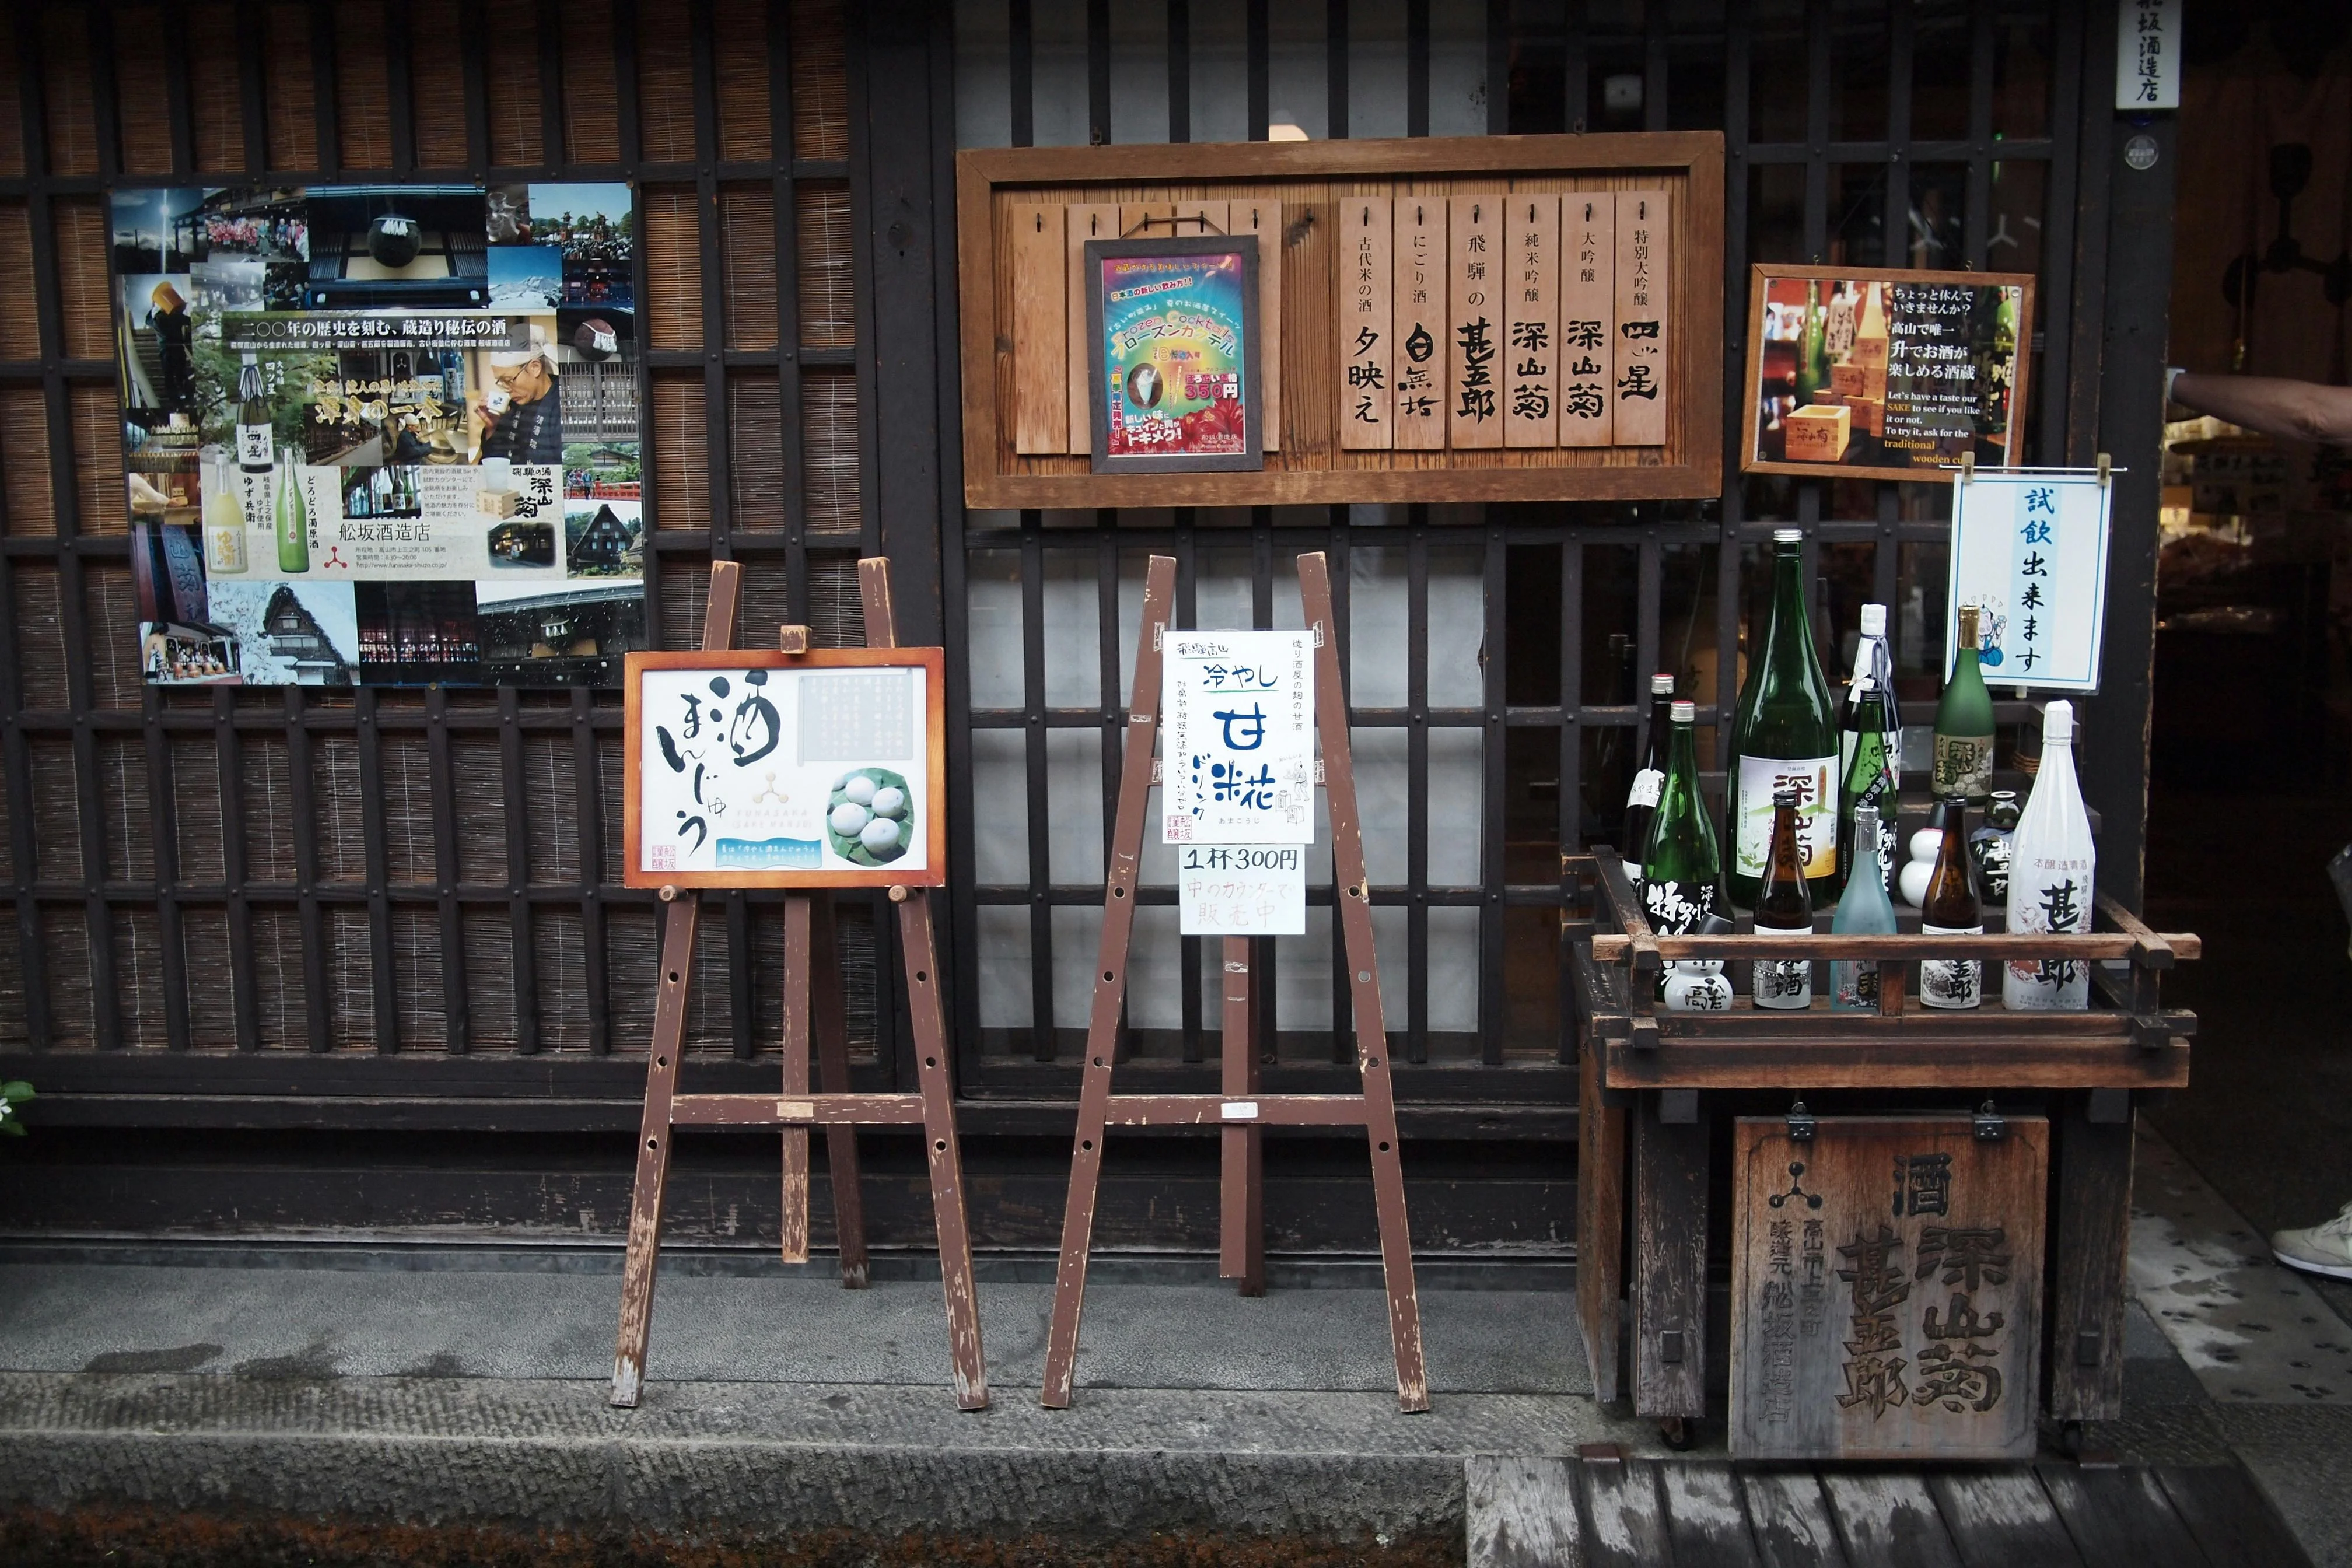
<point x="1509" y="318"/>
<point x="1886" y="1287"/>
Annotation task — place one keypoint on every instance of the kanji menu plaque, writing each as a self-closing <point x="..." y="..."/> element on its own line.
<point x="1887" y="1289"/>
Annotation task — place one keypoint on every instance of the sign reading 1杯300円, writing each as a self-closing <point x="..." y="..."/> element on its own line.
<point x="748" y="769"/>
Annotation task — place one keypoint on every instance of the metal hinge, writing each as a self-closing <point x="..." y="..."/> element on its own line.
<point x="1800" y="1123"/>
<point x="1990" y="1127"/>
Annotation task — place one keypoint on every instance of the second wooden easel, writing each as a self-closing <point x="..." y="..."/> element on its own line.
<point x="1238" y="1112"/>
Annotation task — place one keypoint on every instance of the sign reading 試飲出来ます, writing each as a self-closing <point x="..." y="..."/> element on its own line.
<point x="1237" y="751"/>
<point x="2029" y="551"/>
<point x="818" y="769"/>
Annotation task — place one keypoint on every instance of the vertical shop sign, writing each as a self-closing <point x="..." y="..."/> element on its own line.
<point x="1367" y="348"/>
<point x="2029" y="551"/>
<point x="1530" y="236"/>
<point x="1474" y="412"/>
<point x="1418" y="306"/>
<point x="1238" y="750"/>
<point x="2147" y="54"/>
<point x="1587" y="318"/>
<point x="1642" y="232"/>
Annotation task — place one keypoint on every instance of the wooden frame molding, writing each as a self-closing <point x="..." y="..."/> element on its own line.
<point x="1014" y="305"/>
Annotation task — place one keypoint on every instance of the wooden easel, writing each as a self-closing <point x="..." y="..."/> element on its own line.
<point x="1238" y="1112"/>
<point x="810" y="973"/>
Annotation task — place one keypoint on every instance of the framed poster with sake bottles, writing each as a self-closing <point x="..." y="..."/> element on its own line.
<point x="824" y="769"/>
<point x="1885" y="373"/>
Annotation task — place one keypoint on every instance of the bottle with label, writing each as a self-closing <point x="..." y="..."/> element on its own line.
<point x="291" y="520"/>
<point x="1988" y="847"/>
<point x="1813" y="349"/>
<point x="1870" y="728"/>
<point x="1784" y="736"/>
<point x="2051" y="869"/>
<point x="1783" y="908"/>
<point x="256" y="442"/>
<point x="1864" y="911"/>
<point x="1681" y="868"/>
<point x="1697" y="985"/>
<point x="1950" y="908"/>
<point x="1964" y="722"/>
<point x="224" y="518"/>
<point x="1641" y="800"/>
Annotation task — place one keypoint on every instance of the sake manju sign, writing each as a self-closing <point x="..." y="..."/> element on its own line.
<point x="823" y="769"/>
<point x="2029" y="551"/>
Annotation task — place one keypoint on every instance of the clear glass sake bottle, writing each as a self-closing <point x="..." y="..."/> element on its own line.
<point x="1680" y="866"/>
<point x="1964" y="722"/>
<point x="1784" y="736"/>
<point x="1864" y="911"/>
<point x="2053" y="869"/>
<point x="292" y="518"/>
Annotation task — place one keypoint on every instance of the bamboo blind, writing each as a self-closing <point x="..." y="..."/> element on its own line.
<point x="400" y="869"/>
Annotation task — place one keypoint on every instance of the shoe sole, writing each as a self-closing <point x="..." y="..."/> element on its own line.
<point x="2333" y="1270"/>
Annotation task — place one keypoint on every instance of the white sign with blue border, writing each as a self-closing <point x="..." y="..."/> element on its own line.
<point x="2029" y="551"/>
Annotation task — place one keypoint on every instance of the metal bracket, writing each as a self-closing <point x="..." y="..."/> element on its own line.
<point x="1990" y="1126"/>
<point x="1800" y="1123"/>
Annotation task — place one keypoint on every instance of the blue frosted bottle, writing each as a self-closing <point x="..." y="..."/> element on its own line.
<point x="1864" y="911"/>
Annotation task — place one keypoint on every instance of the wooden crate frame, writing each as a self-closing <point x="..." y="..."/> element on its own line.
<point x="1308" y="466"/>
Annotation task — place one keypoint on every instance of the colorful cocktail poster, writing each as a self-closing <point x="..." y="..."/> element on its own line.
<point x="1175" y="379"/>
<point x="1886" y="374"/>
<point x="382" y="434"/>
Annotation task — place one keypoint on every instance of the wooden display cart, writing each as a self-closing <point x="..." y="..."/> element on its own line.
<point x="1659" y="1089"/>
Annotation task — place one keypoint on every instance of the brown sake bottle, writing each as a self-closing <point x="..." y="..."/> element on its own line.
<point x="1784" y="906"/>
<point x="1951" y="909"/>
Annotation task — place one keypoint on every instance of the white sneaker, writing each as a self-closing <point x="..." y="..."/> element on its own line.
<point x="2324" y="1248"/>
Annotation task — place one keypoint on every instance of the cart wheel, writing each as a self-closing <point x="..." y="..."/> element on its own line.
<point x="2070" y="1440"/>
<point x="1679" y="1432"/>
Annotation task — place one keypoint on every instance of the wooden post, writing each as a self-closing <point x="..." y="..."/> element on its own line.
<point x="832" y="1022"/>
<point x="661" y="1069"/>
<point x="796" y="1074"/>
<point x="2088" y="1257"/>
<point x="1241" y="1190"/>
<point x="1669" y="1270"/>
<point x="942" y="1151"/>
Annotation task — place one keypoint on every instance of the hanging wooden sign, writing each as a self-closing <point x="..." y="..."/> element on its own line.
<point x="1482" y="319"/>
<point x="1886" y="1287"/>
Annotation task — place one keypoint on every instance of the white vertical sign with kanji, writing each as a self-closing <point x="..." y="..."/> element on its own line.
<point x="1237" y="738"/>
<point x="2029" y="551"/>
<point x="2147" y="54"/>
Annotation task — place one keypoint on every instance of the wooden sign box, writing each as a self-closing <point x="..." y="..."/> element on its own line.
<point x="1371" y="254"/>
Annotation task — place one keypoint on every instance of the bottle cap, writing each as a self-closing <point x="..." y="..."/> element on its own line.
<point x="2004" y="794"/>
<point x="1874" y="620"/>
<point x="1682" y="713"/>
<point x="1788" y="535"/>
<point x="1787" y="797"/>
<point x="1864" y="816"/>
<point x="2058" y="722"/>
<point x="1662" y="685"/>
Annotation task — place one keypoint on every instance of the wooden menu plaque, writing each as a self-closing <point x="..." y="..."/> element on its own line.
<point x="1440" y="320"/>
<point x="1886" y="1287"/>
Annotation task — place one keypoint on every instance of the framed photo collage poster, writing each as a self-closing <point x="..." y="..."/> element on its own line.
<point x="382" y="434"/>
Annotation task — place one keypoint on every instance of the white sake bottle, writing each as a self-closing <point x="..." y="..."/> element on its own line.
<point x="2052" y="867"/>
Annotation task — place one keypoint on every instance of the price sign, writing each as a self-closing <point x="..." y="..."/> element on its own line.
<point x="1240" y="889"/>
<point x="2029" y="551"/>
<point x="1238" y="750"/>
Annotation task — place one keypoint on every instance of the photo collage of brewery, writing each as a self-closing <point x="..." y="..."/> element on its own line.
<point x="380" y="434"/>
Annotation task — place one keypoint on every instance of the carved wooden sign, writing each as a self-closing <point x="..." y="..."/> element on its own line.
<point x="1521" y="318"/>
<point x="1887" y="1289"/>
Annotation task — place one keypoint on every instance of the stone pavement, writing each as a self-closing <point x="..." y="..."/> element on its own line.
<point x="440" y="1383"/>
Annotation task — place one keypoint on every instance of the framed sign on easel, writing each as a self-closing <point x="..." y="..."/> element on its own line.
<point x="806" y="770"/>
<point x="1312" y="705"/>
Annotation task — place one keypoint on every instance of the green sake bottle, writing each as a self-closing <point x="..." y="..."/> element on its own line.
<point x="1784" y="736"/>
<point x="1964" y="722"/>
<point x="1680" y="865"/>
